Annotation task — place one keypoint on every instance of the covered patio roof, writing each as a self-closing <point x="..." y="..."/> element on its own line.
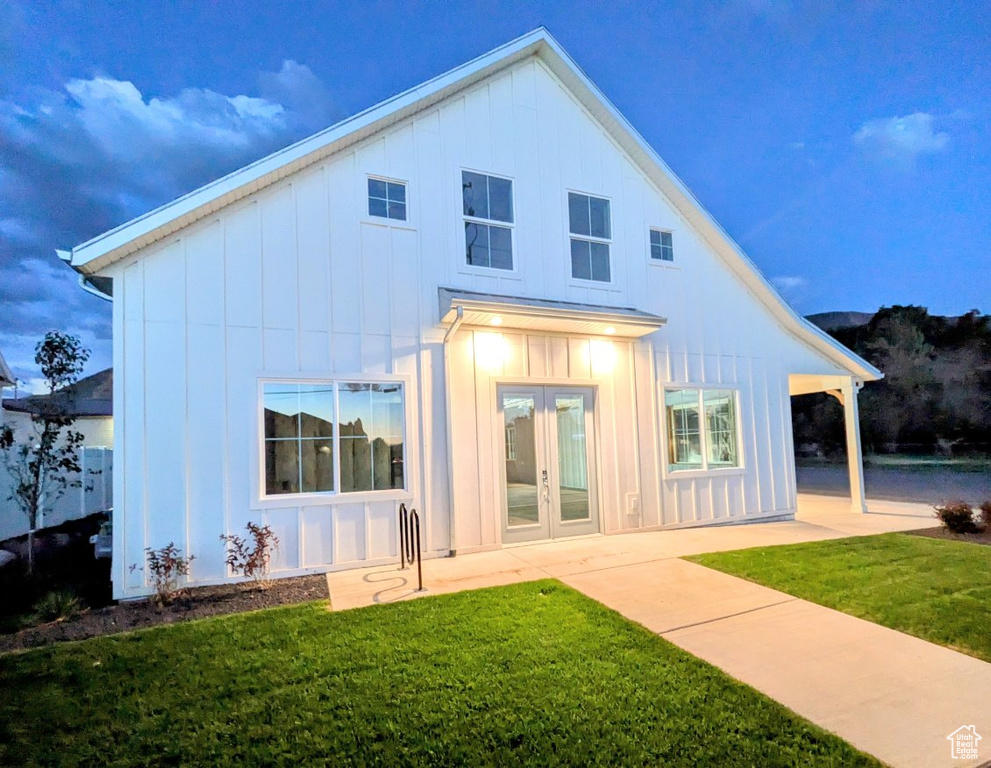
<point x="524" y="313"/>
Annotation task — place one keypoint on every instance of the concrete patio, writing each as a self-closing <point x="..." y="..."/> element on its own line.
<point x="819" y="517"/>
<point x="887" y="693"/>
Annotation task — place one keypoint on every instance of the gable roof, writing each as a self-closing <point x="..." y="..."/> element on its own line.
<point x="96" y="254"/>
<point x="91" y="396"/>
<point x="6" y="375"/>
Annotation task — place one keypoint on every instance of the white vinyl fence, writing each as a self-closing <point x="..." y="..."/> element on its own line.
<point x="95" y="495"/>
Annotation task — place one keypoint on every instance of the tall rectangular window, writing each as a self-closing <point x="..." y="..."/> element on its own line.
<point x="720" y="426"/>
<point x="488" y="217"/>
<point x="387" y="199"/>
<point x="661" y="245"/>
<point x="684" y="428"/>
<point x="371" y="422"/>
<point x="316" y="434"/>
<point x="590" y="226"/>
<point x="299" y="438"/>
<point x="701" y="428"/>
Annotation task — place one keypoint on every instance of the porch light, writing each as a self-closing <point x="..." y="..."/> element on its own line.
<point x="602" y="355"/>
<point x="496" y="320"/>
<point x="610" y="331"/>
<point x="491" y="351"/>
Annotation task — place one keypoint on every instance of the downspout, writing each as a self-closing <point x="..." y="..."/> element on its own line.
<point x="449" y="404"/>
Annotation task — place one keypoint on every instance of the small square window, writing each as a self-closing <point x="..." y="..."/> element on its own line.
<point x="387" y="199"/>
<point x="661" y="245"/>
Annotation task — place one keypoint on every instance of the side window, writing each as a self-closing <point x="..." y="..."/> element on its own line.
<point x="661" y="245"/>
<point x="702" y="428"/>
<point x="590" y="226"/>
<point x="387" y="199"/>
<point x="488" y="218"/>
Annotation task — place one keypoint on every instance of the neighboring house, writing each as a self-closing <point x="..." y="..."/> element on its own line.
<point x="90" y="401"/>
<point x="6" y="376"/>
<point x="487" y="298"/>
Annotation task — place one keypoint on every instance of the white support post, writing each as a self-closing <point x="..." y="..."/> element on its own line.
<point x="855" y="458"/>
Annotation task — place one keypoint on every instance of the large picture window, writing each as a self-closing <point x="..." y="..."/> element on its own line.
<point x="488" y="213"/>
<point x="701" y="428"/>
<point x="333" y="437"/>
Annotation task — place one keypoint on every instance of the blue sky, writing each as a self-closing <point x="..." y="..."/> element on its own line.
<point x="845" y="146"/>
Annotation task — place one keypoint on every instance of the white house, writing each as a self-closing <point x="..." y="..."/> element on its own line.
<point x="487" y="298"/>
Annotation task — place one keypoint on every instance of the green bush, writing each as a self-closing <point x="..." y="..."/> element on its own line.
<point x="986" y="516"/>
<point x="956" y="516"/>
<point x="56" y="606"/>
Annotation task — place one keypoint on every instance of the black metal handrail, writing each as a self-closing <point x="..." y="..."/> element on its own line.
<point x="409" y="543"/>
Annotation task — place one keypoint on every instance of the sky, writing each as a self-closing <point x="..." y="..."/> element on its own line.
<point x="846" y="146"/>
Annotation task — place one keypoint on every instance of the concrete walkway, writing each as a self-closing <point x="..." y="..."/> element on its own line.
<point x="887" y="693"/>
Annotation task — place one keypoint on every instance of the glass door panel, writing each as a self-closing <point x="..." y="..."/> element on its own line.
<point x="572" y="457"/>
<point x="522" y="494"/>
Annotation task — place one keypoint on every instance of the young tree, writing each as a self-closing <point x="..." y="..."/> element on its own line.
<point x="41" y="466"/>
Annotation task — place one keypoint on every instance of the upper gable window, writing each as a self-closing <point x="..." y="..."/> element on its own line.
<point x="591" y="233"/>
<point x="661" y="245"/>
<point x="488" y="209"/>
<point x="387" y="199"/>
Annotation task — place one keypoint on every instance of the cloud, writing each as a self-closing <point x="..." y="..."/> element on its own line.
<point x="902" y="138"/>
<point x="791" y="287"/>
<point x="84" y="159"/>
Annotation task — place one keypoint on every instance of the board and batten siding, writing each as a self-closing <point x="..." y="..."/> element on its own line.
<point x="298" y="280"/>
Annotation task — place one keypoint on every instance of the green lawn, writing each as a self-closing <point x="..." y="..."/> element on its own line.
<point x="934" y="589"/>
<point x="533" y="674"/>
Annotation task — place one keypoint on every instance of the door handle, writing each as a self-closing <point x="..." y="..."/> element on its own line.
<point x="547" y="486"/>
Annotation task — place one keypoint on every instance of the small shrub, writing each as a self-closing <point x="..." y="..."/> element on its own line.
<point x="252" y="556"/>
<point x="956" y="516"/>
<point x="56" y="606"/>
<point x="986" y="516"/>
<point x="165" y="566"/>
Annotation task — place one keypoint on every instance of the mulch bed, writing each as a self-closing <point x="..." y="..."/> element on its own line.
<point x="942" y="533"/>
<point x="195" y="603"/>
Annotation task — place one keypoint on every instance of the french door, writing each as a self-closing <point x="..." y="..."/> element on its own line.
<point x="548" y="477"/>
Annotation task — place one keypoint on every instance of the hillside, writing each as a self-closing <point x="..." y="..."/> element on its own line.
<point x="936" y="393"/>
<point x="832" y="321"/>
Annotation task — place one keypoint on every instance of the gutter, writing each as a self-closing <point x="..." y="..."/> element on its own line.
<point x="84" y="280"/>
<point x="449" y="405"/>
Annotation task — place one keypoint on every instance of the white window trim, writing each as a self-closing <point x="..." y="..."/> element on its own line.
<point x="475" y="269"/>
<point x="382" y="221"/>
<point x="661" y="262"/>
<point x="705" y="470"/>
<point x="581" y="281"/>
<point x="261" y="500"/>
